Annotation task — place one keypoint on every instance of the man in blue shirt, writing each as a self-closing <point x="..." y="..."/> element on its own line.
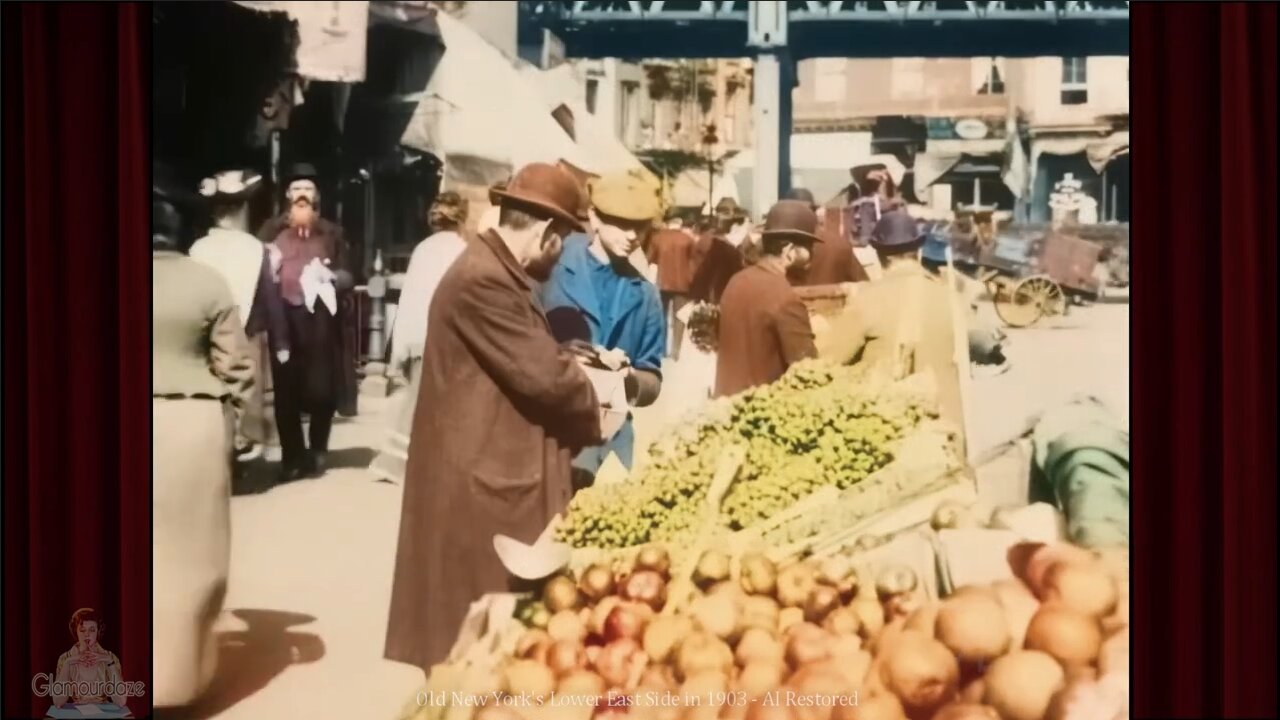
<point x="622" y="310"/>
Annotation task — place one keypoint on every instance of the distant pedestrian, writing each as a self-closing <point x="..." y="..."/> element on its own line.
<point x="715" y="258"/>
<point x="245" y="264"/>
<point x="313" y="271"/>
<point x="671" y="249"/>
<point x="764" y="325"/>
<point x="430" y="260"/>
<point x="833" y="261"/>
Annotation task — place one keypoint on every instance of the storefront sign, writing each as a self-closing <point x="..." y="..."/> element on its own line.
<point x="971" y="129"/>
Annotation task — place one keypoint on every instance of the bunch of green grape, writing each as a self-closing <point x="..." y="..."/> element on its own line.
<point x="818" y="425"/>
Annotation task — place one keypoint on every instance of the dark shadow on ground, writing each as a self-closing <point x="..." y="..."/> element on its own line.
<point x="353" y="457"/>
<point x="250" y="659"/>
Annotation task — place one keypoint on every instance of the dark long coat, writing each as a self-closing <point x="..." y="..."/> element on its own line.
<point x="764" y="329"/>
<point x="346" y="386"/>
<point x="501" y="411"/>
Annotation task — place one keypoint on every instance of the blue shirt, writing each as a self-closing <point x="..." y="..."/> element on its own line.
<point x="624" y="312"/>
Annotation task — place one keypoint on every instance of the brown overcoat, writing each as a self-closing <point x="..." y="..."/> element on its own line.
<point x="715" y="262"/>
<point x="764" y="329"/>
<point x="501" y="411"/>
<point x="672" y="251"/>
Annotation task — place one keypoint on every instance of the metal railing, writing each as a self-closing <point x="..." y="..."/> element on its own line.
<point x="894" y="10"/>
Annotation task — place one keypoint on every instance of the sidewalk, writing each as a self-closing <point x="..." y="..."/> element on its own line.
<point x="306" y="610"/>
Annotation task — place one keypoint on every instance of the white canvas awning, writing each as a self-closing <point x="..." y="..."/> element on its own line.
<point x="601" y="149"/>
<point x="480" y="116"/>
<point x="1098" y="150"/>
<point x="332" y="36"/>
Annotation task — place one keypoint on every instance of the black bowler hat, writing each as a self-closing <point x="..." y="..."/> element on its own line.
<point x="301" y="171"/>
<point x="896" y="233"/>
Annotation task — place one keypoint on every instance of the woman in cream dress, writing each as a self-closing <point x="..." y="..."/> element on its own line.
<point x="202" y="378"/>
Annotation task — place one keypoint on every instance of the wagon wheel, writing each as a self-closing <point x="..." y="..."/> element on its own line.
<point x="1014" y="308"/>
<point x="1045" y="293"/>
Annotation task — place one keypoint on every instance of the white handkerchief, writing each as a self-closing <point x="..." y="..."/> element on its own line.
<point x="611" y="393"/>
<point x="317" y="282"/>
<point x="685" y="313"/>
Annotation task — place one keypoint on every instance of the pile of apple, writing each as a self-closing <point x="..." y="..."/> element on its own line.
<point x="1051" y="645"/>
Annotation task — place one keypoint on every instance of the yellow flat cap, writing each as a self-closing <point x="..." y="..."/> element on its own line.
<point x="627" y="195"/>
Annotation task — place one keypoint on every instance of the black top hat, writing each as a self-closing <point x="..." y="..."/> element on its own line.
<point x="300" y="171"/>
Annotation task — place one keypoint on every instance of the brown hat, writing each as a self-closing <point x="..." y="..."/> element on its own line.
<point x="494" y="189"/>
<point x="802" y="195"/>
<point x="792" y="220"/>
<point x="544" y="189"/>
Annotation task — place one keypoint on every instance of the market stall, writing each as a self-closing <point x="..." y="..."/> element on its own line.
<point x="815" y="548"/>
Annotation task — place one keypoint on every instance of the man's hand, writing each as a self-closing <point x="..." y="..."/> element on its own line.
<point x="582" y="350"/>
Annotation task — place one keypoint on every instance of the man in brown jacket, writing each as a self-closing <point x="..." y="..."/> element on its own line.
<point x="764" y="326"/>
<point x="833" y="261"/>
<point x="501" y="411"/>
<point x="715" y="259"/>
<point x="671" y="249"/>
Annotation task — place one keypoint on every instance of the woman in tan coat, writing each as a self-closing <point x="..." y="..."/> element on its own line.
<point x="202" y="374"/>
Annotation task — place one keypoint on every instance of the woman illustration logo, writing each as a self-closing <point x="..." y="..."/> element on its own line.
<point x="88" y="673"/>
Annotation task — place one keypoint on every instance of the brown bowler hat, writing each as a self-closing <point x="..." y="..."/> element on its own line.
<point x="547" y="190"/>
<point x="792" y="220"/>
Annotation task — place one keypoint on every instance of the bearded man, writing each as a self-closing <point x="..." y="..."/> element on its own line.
<point x="312" y="260"/>
<point x="502" y="410"/>
<point x="764" y="326"/>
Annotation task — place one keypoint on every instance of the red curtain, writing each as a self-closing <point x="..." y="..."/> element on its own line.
<point x="1204" y="359"/>
<point x="77" y="476"/>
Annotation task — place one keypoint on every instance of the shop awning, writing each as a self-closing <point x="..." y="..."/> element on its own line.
<point x="1098" y="150"/>
<point x="480" y="116"/>
<point x="332" y="36"/>
<point x="601" y="149"/>
<point x="1002" y="156"/>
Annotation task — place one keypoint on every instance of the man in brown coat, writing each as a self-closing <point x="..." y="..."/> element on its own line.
<point x="715" y="259"/>
<point x="764" y="326"/>
<point x="671" y="249"/>
<point x="833" y="261"/>
<point x="501" y="411"/>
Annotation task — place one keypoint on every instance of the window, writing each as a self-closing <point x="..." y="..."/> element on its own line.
<point x="630" y="112"/>
<point x="593" y="87"/>
<point x="907" y="77"/>
<point x="1075" y="81"/>
<point x="829" y="83"/>
<point x="988" y="76"/>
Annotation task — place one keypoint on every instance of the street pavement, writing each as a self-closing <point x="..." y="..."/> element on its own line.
<point x="311" y="562"/>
